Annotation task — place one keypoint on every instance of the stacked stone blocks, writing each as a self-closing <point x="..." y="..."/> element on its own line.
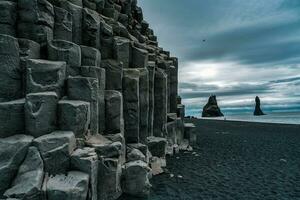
<point x="85" y="95"/>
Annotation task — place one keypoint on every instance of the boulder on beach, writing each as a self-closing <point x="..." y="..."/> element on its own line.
<point x="258" y="111"/>
<point x="211" y="109"/>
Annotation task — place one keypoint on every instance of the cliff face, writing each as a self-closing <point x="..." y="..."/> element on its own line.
<point x="88" y="100"/>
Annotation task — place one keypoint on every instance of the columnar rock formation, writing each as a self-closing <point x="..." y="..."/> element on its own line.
<point x="88" y="100"/>
<point x="258" y="111"/>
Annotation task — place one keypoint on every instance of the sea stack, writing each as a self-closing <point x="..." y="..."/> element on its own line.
<point x="211" y="109"/>
<point x="258" y="111"/>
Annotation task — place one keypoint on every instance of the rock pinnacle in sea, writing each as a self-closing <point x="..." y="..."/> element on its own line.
<point x="258" y="111"/>
<point x="211" y="109"/>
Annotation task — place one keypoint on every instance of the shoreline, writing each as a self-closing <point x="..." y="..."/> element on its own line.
<point x="243" y="121"/>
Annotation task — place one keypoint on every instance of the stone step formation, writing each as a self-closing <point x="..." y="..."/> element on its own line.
<point x="88" y="100"/>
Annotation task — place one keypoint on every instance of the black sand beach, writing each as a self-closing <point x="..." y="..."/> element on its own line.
<point x="235" y="161"/>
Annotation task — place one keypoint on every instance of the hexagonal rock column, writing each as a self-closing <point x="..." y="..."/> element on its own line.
<point x="40" y="113"/>
<point x="151" y="70"/>
<point x="12" y="118"/>
<point x="171" y="130"/>
<point x="73" y="186"/>
<point x="123" y="18"/>
<point x="36" y="20"/>
<point x="91" y="27"/>
<point x="56" y="149"/>
<point x="114" y="74"/>
<point x="135" y="179"/>
<point x="166" y="66"/>
<point x="65" y="51"/>
<point x="107" y="40"/>
<point x="157" y="146"/>
<point x="181" y="111"/>
<point x="45" y="76"/>
<point x="144" y="103"/>
<point x="28" y="50"/>
<point x="100" y="75"/>
<point x="173" y="89"/>
<point x="63" y="24"/>
<point x="109" y="179"/>
<point x="92" y="4"/>
<point x="131" y="105"/>
<point x="189" y="133"/>
<point x="160" y="102"/>
<point x="28" y="182"/>
<point x="86" y="89"/>
<point x="10" y="76"/>
<point x="76" y="13"/>
<point x="8" y="17"/>
<point x="174" y="86"/>
<point x="74" y="116"/>
<point x="122" y="50"/>
<point x="180" y="130"/>
<point x="86" y="160"/>
<point x="139" y="58"/>
<point x="90" y="56"/>
<point x="114" y="120"/>
<point x="119" y="139"/>
<point x="134" y="155"/>
<point x="110" y="11"/>
<point x="141" y="147"/>
<point x="104" y="147"/>
<point x="12" y="152"/>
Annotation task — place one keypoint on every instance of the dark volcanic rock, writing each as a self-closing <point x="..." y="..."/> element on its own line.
<point x="211" y="109"/>
<point x="89" y="85"/>
<point x="258" y="111"/>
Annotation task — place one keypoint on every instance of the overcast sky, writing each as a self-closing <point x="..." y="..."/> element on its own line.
<point x="236" y="49"/>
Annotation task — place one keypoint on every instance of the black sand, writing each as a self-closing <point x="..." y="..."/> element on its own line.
<point x="237" y="160"/>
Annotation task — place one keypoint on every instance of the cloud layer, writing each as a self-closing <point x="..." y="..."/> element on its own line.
<point x="232" y="48"/>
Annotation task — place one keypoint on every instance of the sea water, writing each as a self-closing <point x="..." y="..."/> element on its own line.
<point x="275" y="117"/>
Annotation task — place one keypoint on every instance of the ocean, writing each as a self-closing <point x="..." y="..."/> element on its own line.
<point x="275" y="117"/>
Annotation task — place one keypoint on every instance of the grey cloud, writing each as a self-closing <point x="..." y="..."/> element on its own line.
<point x="256" y="44"/>
<point x="193" y="86"/>
<point x="287" y="80"/>
<point x="241" y="89"/>
<point x="205" y="90"/>
<point x="255" y="34"/>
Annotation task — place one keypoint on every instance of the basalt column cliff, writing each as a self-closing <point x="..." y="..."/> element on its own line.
<point x="88" y="100"/>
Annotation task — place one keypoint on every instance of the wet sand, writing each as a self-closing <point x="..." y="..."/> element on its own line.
<point x="234" y="161"/>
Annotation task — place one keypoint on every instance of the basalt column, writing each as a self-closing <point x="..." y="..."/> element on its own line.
<point x="144" y="103"/>
<point x="10" y="84"/>
<point x="131" y="105"/>
<point x="160" y="102"/>
<point x="151" y="70"/>
<point x="88" y="100"/>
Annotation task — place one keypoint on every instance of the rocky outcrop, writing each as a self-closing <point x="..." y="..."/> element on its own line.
<point x="88" y="100"/>
<point x="136" y="176"/>
<point x="56" y="149"/>
<point x="211" y="109"/>
<point x="258" y="111"/>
